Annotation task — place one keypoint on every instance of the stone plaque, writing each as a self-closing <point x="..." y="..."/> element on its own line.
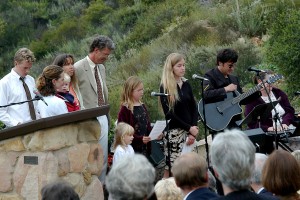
<point x="31" y="160"/>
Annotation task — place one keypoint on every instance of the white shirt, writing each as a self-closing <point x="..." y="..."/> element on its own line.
<point x="12" y="91"/>
<point x="278" y="107"/>
<point x="122" y="152"/>
<point x="56" y="106"/>
<point x="93" y="65"/>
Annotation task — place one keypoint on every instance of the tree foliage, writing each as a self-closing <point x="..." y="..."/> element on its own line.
<point x="283" y="48"/>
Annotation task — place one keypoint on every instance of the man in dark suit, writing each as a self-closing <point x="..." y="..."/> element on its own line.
<point x="190" y="173"/>
<point x="232" y="157"/>
<point x="90" y="73"/>
<point x="222" y="83"/>
<point x="256" y="184"/>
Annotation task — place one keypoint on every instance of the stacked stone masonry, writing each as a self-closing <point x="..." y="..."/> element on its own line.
<point x="69" y="152"/>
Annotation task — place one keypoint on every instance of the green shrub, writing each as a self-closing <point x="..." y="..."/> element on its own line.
<point x="282" y="49"/>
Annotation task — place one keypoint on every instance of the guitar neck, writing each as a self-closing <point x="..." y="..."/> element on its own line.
<point x="246" y="94"/>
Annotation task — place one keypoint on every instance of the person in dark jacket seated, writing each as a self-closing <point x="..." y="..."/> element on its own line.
<point x="256" y="184"/>
<point x="191" y="175"/>
<point x="232" y="156"/>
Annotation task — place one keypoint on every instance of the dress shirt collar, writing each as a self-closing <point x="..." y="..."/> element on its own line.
<point x="186" y="196"/>
<point x="15" y="74"/>
<point x="261" y="189"/>
<point x="91" y="63"/>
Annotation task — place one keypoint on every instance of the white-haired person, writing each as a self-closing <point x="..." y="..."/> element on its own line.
<point x="131" y="178"/>
<point x="256" y="183"/>
<point x="232" y="157"/>
<point x="166" y="189"/>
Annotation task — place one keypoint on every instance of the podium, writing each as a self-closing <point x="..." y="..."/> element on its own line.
<point x="63" y="147"/>
<point x="54" y="121"/>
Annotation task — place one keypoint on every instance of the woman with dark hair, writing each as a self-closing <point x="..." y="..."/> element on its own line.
<point x="66" y="61"/>
<point x="281" y="175"/>
<point x="51" y="79"/>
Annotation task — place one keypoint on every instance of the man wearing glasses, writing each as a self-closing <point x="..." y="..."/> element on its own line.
<point x="220" y="88"/>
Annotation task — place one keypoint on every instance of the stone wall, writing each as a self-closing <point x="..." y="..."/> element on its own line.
<point x="69" y="152"/>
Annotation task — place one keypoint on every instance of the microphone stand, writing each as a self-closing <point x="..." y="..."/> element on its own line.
<point x="205" y="127"/>
<point x="276" y="115"/>
<point x="168" y="160"/>
<point x="21" y="102"/>
<point x="168" y="145"/>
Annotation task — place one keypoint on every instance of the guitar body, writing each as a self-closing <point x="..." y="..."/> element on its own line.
<point x="219" y="114"/>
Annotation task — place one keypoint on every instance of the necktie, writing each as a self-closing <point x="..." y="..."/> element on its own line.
<point x="30" y="103"/>
<point x="99" y="88"/>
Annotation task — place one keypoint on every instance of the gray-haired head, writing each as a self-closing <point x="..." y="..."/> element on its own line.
<point x="131" y="178"/>
<point x="260" y="160"/>
<point x="101" y="42"/>
<point x="232" y="156"/>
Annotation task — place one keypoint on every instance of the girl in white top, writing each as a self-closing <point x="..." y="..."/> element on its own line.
<point x="47" y="84"/>
<point x="123" y="139"/>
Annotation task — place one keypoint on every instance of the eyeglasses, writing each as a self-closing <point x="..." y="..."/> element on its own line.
<point x="231" y="65"/>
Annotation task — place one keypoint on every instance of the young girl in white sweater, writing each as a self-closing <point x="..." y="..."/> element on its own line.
<point x="123" y="138"/>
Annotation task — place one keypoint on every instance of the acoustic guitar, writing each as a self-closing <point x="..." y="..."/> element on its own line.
<point x="219" y="114"/>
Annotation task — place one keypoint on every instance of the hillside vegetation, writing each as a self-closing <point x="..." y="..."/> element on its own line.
<point x="266" y="33"/>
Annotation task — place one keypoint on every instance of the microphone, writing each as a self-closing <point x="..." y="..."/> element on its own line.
<point x="297" y="93"/>
<point x="159" y="94"/>
<point x="252" y="69"/>
<point x="195" y="76"/>
<point x="39" y="96"/>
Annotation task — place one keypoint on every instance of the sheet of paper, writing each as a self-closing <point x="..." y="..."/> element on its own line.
<point x="157" y="129"/>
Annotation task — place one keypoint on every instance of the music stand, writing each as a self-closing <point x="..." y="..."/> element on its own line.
<point x="260" y="112"/>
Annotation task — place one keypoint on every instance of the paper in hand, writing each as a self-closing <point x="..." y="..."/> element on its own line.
<point x="157" y="129"/>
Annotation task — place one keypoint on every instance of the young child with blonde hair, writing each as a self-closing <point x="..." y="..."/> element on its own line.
<point x="123" y="138"/>
<point x="64" y="94"/>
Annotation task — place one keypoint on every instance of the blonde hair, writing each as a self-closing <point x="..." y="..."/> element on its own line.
<point x="67" y="78"/>
<point x="121" y="130"/>
<point x="168" y="80"/>
<point x="24" y="54"/>
<point x="166" y="189"/>
<point x="129" y="86"/>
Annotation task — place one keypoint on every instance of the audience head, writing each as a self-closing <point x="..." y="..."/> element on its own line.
<point x="100" y="49"/>
<point x="166" y="189"/>
<point x="51" y="79"/>
<point x="296" y="155"/>
<point x="66" y="61"/>
<point x="260" y="160"/>
<point x="123" y="134"/>
<point x="281" y="174"/>
<point x="23" y="61"/>
<point x="132" y="87"/>
<point x="232" y="156"/>
<point x="190" y="171"/>
<point x="131" y="178"/>
<point x="59" y="191"/>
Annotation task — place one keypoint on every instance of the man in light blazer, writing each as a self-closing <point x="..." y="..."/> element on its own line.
<point x="96" y="94"/>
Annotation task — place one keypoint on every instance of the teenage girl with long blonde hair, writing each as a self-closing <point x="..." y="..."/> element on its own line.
<point x="180" y="108"/>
